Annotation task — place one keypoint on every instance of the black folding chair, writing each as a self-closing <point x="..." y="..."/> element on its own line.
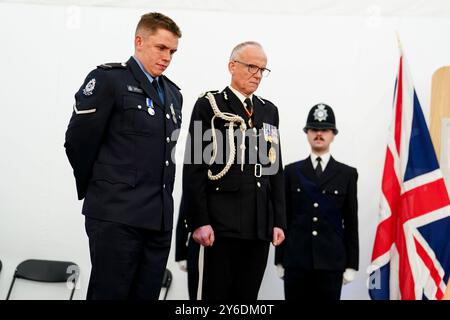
<point x="46" y="271"/>
<point x="167" y="281"/>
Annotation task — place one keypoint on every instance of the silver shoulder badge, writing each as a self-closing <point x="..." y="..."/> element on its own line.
<point x="320" y="113"/>
<point x="203" y="94"/>
<point x="260" y="99"/>
<point x="89" y="88"/>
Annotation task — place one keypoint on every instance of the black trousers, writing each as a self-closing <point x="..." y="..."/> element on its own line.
<point x="234" y="269"/>
<point x="127" y="262"/>
<point x="304" y="284"/>
<point x="192" y="268"/>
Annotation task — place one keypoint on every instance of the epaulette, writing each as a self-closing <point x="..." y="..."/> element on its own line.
<point x="172" y="82"/>
<point x="204" y="93"/>
<point x="113" y="65"/>
<point x="261" y="99"/>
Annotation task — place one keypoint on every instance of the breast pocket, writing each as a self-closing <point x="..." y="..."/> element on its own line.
<point x="136" y="116"/>
<point x="337" y="194"/>
<point x="297" y="199"/>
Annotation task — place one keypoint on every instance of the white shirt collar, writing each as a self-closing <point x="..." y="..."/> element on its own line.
<point x="240" y="96"/>
<point x="325" y="159"/>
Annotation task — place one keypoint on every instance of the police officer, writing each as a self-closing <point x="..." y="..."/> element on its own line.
<point x="233" y="180"/>
<point x="321" y="247"/>
<point x="119" y="143"/>
<point x="187" y="251"/>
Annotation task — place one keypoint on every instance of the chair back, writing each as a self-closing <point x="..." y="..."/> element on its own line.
<point x="46" y="271"/>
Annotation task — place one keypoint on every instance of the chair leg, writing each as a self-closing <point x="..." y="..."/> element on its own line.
<point x="169" y="282"/>
<point x="74" y="282"/>
<point x="11" y="286"/>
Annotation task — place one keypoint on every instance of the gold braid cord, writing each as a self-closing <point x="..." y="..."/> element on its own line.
<point x="231" y="118"/>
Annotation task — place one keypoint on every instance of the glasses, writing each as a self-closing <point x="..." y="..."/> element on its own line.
<point x="255" y="69"/>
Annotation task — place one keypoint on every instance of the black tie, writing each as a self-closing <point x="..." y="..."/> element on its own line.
<point x="249" y="111"/>
<point x="158" y="89"/>
<point x="249" y="106"/>
<point x="319" y="167"/>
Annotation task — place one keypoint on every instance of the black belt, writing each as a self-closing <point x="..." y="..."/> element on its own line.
<point x="254" y="170"/>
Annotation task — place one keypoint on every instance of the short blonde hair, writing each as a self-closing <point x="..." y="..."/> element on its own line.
<point x="154" y="20"/>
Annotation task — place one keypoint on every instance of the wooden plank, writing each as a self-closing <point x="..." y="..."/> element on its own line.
<point x="440" y="105"/>
<point x="447" y="292"/>
<point x="440" y="111"/>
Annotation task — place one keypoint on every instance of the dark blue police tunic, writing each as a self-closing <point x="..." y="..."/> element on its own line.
<point x="119" y="143"/>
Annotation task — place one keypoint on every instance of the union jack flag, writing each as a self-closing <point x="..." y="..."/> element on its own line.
<point x="411" y="253"/>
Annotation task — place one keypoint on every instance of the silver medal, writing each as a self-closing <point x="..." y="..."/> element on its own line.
<point x="150" y="109"/>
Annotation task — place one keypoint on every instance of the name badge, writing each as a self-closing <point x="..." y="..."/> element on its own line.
<point x="134" y="89"/>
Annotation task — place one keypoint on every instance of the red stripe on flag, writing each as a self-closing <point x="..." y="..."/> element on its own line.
<point x="406" y="280"/>
<point x="398" y="107"/>
<point x="391" y="191"/>
<point x="424" y="199"/>
<point x="383" y="238"/>
<point x="414" y="203"/>
<point x="390" y="185"/>
<point x="431" y="267"/>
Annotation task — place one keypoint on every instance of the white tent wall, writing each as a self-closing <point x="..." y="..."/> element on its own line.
<point x="349" y="62"/>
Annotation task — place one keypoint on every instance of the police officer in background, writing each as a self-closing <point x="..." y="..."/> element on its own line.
<point x="233" y="192"/>
<point x="119" y="143"/>
<point x="321" y="249"/>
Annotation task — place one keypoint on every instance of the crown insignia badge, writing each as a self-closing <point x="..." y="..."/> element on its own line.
<point x="320" y="114"/>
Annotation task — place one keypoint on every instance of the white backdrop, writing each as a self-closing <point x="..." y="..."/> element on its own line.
<point x="347" y="62"/>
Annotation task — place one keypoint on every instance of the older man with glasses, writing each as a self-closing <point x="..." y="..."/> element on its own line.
<point x="233" y="191"/>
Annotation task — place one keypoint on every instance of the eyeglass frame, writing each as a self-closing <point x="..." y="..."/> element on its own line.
<point x="251" y="66"/>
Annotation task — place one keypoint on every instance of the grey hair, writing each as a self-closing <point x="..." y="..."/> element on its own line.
<point x="240" y="46"/>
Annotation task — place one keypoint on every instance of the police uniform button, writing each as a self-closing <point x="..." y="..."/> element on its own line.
<point x="316" y="205"/>
<point x="324" y="192"/>
<point x="315" y="219"/>
<point x="217" y="189"/>
<point x="258" y="184"/>
<point x="139" y="106"/>
<point x="314" y="233"/>
<point x="168" y="139"/>
<point x="164" y="186"/>
<point x="167" y="116"/>
<point x="298" y="190"/>
<point x="167" y="163"/>
<point x="336" y="192"/>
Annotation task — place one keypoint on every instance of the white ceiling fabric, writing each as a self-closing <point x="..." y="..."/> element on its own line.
<point x="389" y="8"/>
